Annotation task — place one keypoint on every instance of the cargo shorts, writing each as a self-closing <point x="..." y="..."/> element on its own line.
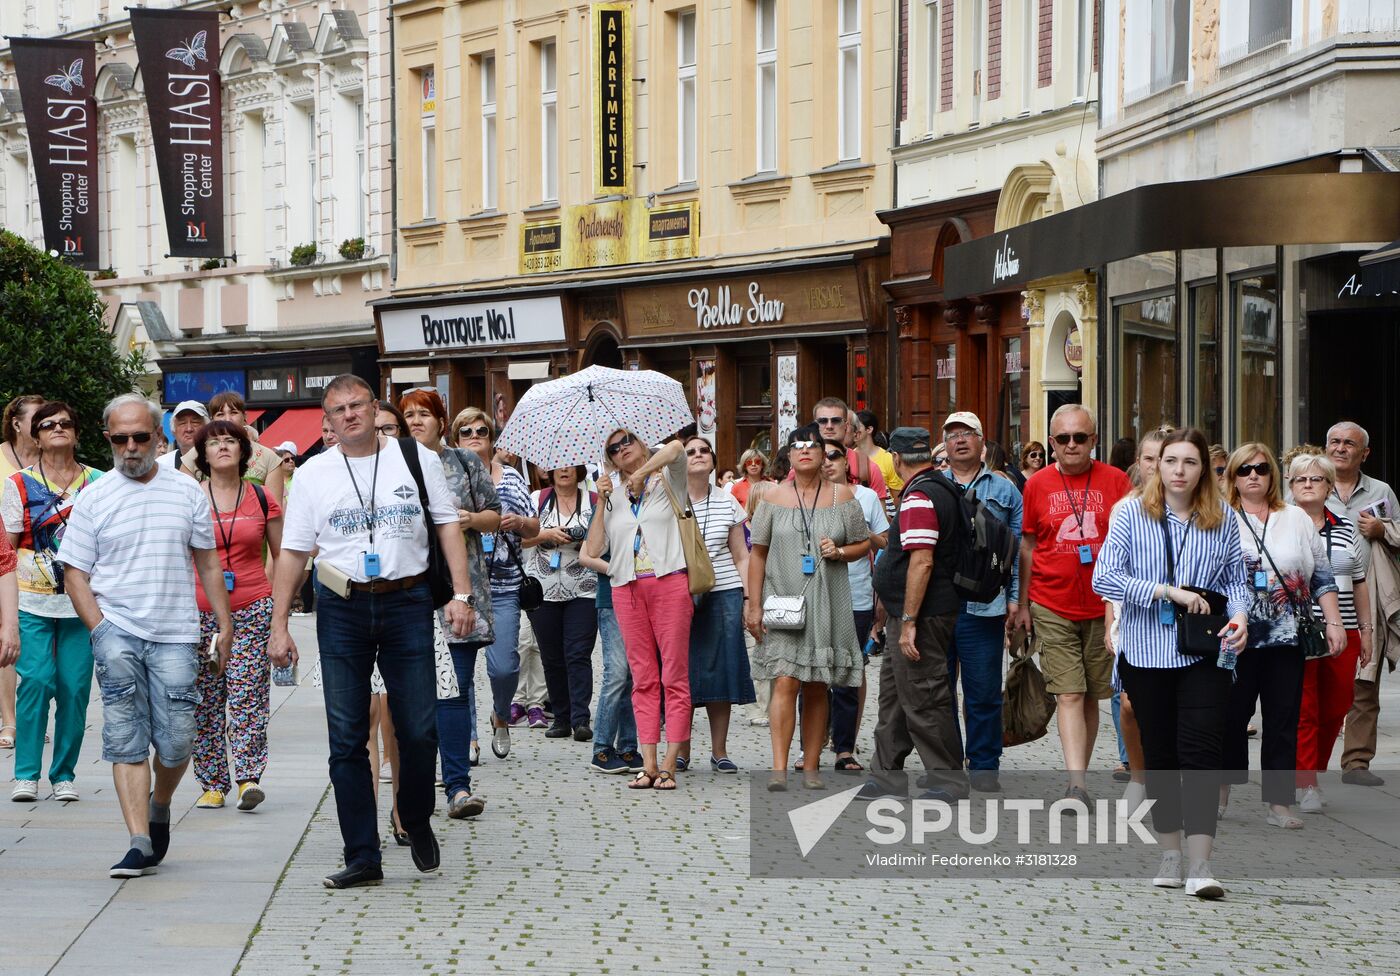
<point x="1072" y="654"/>
<point x="148" y="696"/>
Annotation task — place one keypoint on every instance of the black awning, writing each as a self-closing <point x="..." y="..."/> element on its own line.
<point x="1381" y="255"/>
<point x="1236" y="211"/>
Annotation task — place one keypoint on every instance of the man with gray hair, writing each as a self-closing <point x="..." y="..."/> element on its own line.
<point x="127" y="552"/>
<point x="1371" y="504"/>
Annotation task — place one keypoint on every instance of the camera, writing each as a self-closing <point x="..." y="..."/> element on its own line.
<point x="576" y="532"/>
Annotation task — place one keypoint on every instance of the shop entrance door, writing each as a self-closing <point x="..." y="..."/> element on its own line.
<point x="1353" y="369"/>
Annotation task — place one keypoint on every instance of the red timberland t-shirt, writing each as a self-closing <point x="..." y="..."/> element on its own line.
<point x="1066" y="512"/>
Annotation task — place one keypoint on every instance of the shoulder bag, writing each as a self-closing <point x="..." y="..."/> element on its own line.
<point x="1311" y="637"/>
<point x="531" y="590"/>
<point x="1197" y="634"/>
<point x="439" y="573"/>
<point x="697" y="557"/>
<point x="786" y="612"/>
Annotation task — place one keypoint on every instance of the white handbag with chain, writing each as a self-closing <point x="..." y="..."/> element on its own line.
<point x="786" y="612"/>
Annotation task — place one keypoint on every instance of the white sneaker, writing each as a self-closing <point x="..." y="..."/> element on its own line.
<point x="1312" y="801"/>
<point x="65" y="790"/>
<point x="1200" y="883"/>
<point x="25" y="791"/>
<point x="1169" y="871"/>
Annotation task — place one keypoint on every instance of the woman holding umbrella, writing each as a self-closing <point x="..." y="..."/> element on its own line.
<point x="650" y="591"/>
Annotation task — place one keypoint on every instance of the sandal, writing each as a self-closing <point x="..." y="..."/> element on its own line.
<point x="637" y="783"/>
<point x="1285" y="820"/>
<point x="665" y="781"/>
<point x="7" y="738"/>
<point x="849" y="764"/>
<point x="400" y="836"/>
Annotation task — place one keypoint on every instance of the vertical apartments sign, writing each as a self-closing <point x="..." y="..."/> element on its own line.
<point x="179" y="53"/>
<point x="56" y="80"/>
<point x="612" y="97"/>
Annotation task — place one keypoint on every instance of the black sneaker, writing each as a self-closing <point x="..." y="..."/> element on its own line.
<point x="582" y="733"/>
<point x="985" y="780"/>
<point x="557" y="731"/>
<point x="605" y="762"/>
<point x="160" y="840"/>
<point x="423" y="845"/>
<point x="134" y="865"/>
<point x="355" y="876"/>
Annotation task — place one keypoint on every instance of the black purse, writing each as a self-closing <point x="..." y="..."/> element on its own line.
<point x="1197" y="634"/>
<point x="1311" y="637"/>
<point x="531" y="591"/>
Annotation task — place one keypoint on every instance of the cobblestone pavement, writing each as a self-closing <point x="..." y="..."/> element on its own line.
<point x="568" y="871"/>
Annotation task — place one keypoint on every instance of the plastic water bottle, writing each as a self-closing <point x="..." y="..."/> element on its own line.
<point x="1227" y="657"/>
<point x="285" y="676"/>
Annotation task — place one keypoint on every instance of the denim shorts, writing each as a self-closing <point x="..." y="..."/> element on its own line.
<point x="148" y="696"/>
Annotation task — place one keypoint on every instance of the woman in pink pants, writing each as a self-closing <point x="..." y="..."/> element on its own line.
<point x="651" y="592"/>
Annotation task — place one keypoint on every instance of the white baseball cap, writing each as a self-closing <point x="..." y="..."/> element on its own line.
<point x="287" y="446"/>
<point x="191" y="405"/>
<point x="965" y="417"/>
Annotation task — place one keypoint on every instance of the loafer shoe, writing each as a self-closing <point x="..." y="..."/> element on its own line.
<point x="25" y="791"/>
<point x="134" y="865"/>
<point x="500" y="741"/>
<point x="249" y="796"/>
<point x="1361" y="777"/>
<point x="160" y="840"/>
<point x="210" y="800"/>
<point x="423" y="845"/>
<point x="355" y="876"/>
<point x="465" y="806"/>
<point x="725" y="765"/>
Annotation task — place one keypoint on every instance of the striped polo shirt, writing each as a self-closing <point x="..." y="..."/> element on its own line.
<point x="1133" y="563"/>
<point x="134" y="541"/>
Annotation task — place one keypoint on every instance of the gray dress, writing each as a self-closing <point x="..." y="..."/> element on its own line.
<point x="826" y="649"/>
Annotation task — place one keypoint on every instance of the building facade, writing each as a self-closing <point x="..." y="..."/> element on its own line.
<point x="685" y="185"/>
<point x="997" y="113"/>
<point x="307" y="202"/>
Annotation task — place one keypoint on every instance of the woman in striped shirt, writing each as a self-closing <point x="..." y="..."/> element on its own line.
<point x="1328" y="681"/>
<point x="1180" y="700"/>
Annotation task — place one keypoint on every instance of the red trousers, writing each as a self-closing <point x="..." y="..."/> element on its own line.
<point x="1327" y="688"/>
<point x="654" y="614"/>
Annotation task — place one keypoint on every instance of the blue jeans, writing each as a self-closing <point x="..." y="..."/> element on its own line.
<point x="396" y="630"/>
<point x="456" y="724"/>
<point x="616" y="723"/>
<point x="502" y="657"/>
<point x="1118" y="727"/>
<point x="148" y="697"/>
<point x="975" y="654"/>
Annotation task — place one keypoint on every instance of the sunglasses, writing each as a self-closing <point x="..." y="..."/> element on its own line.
<point x="940" y="462"/>
<point x="474" y="432"/>
<point x="1036" y="454"/>
<point x="830" y="421"/>
<point x="1079" y="437"/>
<point x="697" y="451"/>
<point x="803" y="445"/>
<point x="835" y="455"/>
<point x="624" y="441"/>
<point x="57" y="425"/>
<point x="1243" y="471"/>
<point x="388" y="430"/>
<point x="1308" y="479"/>
<point x="1220" y="470"/>
<point x="141" y="437"/>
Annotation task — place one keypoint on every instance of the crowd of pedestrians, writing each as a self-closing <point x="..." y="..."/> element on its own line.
<point x="1190" y="586"/>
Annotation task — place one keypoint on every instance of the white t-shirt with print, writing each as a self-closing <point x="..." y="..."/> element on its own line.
<point x="325" y="513"/>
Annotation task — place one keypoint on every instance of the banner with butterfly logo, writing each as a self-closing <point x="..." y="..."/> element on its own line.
<point x="179" y="53"/>
<point x="56" y="82"/>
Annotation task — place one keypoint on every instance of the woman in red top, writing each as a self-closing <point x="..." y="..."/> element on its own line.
<point x="246" y="518"/>
<point x="753" y="468"/>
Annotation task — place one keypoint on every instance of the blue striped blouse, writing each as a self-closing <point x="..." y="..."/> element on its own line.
<point x="1133" y="563"/>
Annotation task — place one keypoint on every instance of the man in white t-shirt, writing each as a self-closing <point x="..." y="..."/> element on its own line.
<point x="185" y="422"/>
<point x="127" y="552"/>
<point x="358" y="504"/>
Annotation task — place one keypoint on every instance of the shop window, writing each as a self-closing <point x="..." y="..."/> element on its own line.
<point x="1147" y="365"/>
<point x="945" y="378"/>
<point x="848" y="75"/>
<point x="1254" y="311"/>
<point x="766" y="84"/>
<point x="755" y="384"/>
<point x="686" y="120"/>
<point x="1205" y="335"/>
<point x="1010" y="433"/>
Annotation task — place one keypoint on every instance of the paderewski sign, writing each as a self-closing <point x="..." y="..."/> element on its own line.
<point x="179" y="52"/>
<point x="612" y="96"/>
<point x="56" y="86"/>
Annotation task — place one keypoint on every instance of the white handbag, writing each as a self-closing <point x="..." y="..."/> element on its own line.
<point x="786" y="612"/>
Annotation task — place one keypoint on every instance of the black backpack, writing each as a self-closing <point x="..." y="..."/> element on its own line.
<point x="987" y="549"/>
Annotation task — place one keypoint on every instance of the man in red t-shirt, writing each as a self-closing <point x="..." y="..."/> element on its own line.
<point x="1065" y="524"/>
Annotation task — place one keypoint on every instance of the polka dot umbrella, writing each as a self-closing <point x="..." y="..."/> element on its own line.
<point x="567" y="421"/>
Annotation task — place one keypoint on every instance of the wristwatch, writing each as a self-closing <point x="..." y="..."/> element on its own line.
<point x="906" y="618"/>
<point x="468" y="598"/>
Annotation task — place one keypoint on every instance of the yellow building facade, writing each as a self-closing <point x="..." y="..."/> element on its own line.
<point x="683" y="186"/>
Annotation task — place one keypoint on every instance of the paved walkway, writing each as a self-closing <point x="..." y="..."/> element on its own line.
<point x="567" y="871"/>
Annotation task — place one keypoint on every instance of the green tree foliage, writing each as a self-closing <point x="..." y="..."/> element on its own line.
<point x="53" y="342"/>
